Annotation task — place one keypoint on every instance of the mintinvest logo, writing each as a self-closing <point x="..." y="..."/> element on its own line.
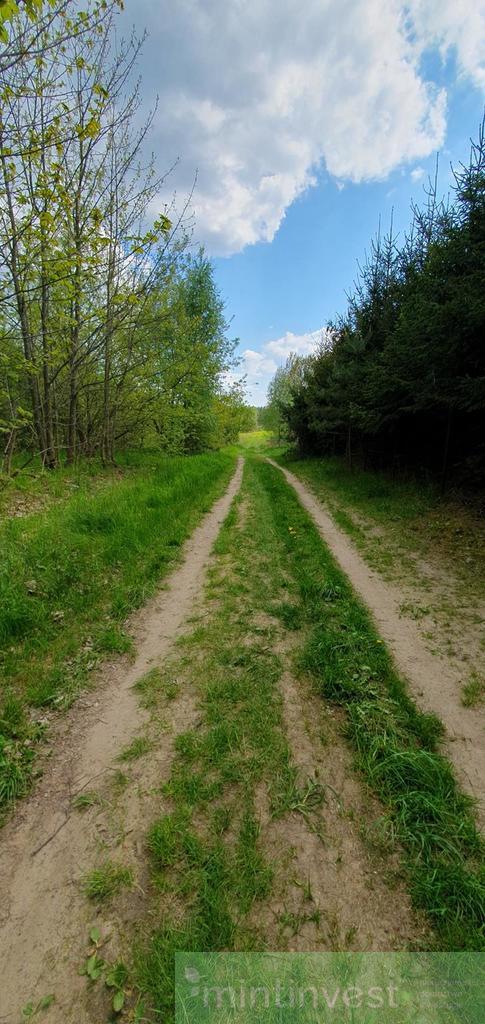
<point x="338" y="988"/>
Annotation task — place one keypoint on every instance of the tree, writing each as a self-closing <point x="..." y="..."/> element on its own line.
<point x="280" y="394"/>
<point x="232" y="415"/>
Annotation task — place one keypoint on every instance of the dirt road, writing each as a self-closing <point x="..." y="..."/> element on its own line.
<point x="431" y="678"/>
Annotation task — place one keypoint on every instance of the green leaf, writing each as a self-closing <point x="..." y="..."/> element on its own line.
<point x="95" y="935"/>
<point x="94" y="967"/>
<point x="118" y="1001"/>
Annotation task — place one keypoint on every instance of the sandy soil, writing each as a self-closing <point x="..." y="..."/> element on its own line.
<point x="434" y="681"/>
<point x="48" y="847"/>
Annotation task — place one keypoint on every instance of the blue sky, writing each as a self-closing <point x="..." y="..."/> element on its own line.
<point x="303" y="123"/>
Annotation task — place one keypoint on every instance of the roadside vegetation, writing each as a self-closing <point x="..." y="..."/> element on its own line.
<point x="255" y="440"/>
<point x="70" y="575"/>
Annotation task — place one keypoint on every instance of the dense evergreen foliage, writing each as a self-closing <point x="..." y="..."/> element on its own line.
<point x="400" y="379"/>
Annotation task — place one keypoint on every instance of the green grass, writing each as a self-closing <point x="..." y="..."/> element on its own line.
<point x="101" y="884"/>
<point x="88" y="798"/>
<point x="137" y="748"/>
<point x="32" y="488"/>
<point x="155" y="684"/>
<point x="69" y="576"/>
<point x="255" y="440"/>
<point x="380" y="496"/>
<point x="473" y="692"/>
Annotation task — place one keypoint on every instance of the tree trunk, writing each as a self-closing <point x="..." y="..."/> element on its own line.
<point x="446" y="451"/>
<point x="75" y="326"/>
<point x="50" y="457"/>
<point x="14" y="268"/>
<point x="9" y="450"/>
<point x="348" y="452"/>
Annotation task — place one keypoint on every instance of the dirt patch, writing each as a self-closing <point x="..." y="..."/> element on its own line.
<point x="435" y="681"/>
<point x="49" y="846"/>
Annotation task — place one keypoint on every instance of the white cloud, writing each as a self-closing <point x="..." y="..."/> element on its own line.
<point x="302" y="344"/>
<point x="257" y="368"/>
<point x="260" y="367"/>
<point x="417" y="174"/>
<point x="258" y="96"/>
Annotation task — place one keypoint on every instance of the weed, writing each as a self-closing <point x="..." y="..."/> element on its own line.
<point x="149" y="686"/>
<point x="290" y="614"/>
<point x="15" y="772"/>
<point x="164" y="838"/>
<point x="32" y="1009"/>
<point x="306" y="889"/>
<point x="221" y="820"/>
<point x="413" y="610"/>
<point x="171" y="689"/>
<point x="116" y="976"/>
<point x="155" y="684"/>
<point x="294" y="921"/>
<point x="301" y="799"/>
<point x="113" y="640"/>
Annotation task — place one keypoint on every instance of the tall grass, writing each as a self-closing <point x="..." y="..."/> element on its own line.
<point x="377" y="494"/>
<point x="70" y="575"/>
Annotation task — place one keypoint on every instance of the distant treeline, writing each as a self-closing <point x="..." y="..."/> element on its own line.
<point x="399" y="381"/>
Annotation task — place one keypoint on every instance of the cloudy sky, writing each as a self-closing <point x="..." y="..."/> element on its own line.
<point x="305" y="122"/>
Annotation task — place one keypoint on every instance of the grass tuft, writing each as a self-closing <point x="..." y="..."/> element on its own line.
<point x="104" y="882"/>
<point x="89" y="798"/>
<point x="137" y="748"/>
<point x="473" y="692"/>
